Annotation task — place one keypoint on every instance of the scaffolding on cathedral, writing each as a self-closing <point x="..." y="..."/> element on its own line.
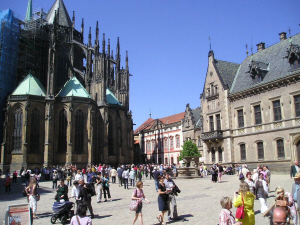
<point x="33" y="47"/>
<point x="9" y="42"/>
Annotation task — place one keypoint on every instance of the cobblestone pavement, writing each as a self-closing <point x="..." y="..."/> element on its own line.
<point x="198" y="203"/>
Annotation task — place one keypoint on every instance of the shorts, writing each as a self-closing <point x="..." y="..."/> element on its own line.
<point x="139" y="208"/>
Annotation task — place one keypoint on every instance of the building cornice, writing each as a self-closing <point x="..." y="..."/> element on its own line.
<point x="293" y="78"/>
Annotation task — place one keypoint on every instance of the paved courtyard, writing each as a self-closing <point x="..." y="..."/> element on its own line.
<point x="198" y="202"/>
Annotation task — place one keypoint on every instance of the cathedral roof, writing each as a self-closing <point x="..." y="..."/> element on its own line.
<point x="277" y="65"/>
<point x="111" y="98"/>
<point x="64" y="18"/>
<point x="73" y="88"/>
<point x="30" y="86"/>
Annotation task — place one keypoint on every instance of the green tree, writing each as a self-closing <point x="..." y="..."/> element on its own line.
<point x="189" y="149"/>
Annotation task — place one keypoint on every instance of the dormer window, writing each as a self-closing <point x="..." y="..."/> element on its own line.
<point x="293" y="55"/>
<point x="258" y="70"/>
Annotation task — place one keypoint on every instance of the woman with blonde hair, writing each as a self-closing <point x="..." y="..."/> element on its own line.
<point x="246" y="198"/>
<point x="31" y="193"/>
<point x="226" y="217"/>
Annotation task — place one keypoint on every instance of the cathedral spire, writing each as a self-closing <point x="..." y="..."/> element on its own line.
<point x="82" y="28"/>
<point x="108" y="48"/>
<point x="97" y="34"/>
<point x="103" y="44"/>
<point x="29" y="11"/>
<point x="73" y="20"/>
<point x="127" y="60"/>
<point x="64" y="18"/>
<point x="90" y="37"/>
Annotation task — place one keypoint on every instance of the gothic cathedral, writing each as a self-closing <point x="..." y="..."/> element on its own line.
<point x="73" y="105"/>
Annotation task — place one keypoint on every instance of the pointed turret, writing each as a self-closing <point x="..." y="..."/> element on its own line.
<point x="82" y="28"/>
<point x="127" y="60"/>
<point x="64" y="18"/>
<point x="108" y="48"/>
<point x="73" y="20"/>
<point x="118" y="54"/>
<point x="103" y="44"/>
<point x="97" y="34"/>
<point x="29" y="11"/>
<point x="90" y="37"/>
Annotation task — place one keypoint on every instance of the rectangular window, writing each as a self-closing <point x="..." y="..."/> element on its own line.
<point x="172" y="161"/>
<point x="243" y="152"/>
<point x="199" y="141"/>
<point x="177" y="142"/>
<point x="213" y="155"/>
<point x="240" y="118"/>
<point x="166" y="160"/>
<point x="218" y="118"/>
<point x="277" y="110"/>
<point x="260" y="150"/>
<point x="280" y="149"/>
<point x="297" y="105"/>
<point x="166" y="143"/>
<point x="171" y="143"/>
<point x="220" y="154"/>
<point x="211" y="122"/>
<point x="153" y="145"/>
<point x="257" y="113"/>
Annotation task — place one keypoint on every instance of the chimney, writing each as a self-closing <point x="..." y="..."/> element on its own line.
<point x="260" y="46"/>
<point x="282" y="36"/>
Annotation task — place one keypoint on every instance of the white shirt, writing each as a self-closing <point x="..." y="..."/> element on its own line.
<point x="78" y="177"/>
<point x="75" y="191"/>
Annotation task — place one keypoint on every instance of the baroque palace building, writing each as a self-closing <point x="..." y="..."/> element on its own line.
<point x="251" y="111"/>
<point x="73" y="105"/>
<point x="160" y="141"/>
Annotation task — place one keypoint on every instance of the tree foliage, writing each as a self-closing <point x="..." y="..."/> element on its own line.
<point x="189" y="149"/>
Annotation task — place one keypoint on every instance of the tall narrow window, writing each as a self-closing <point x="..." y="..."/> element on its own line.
<point x="213" y="155"/>
<point x="35" y="131"/>
<point x="280" y="148"/>
<point x="111" y="147"/>
<point x="218" y="118"/>
<point x="171" y="143"/>
<point x="166" y="143"/>
<point x="211" y="122"/>
<point x="240" y="118"/>
<point x="17" y="136"/>
<point x="199" y="141"/>
<point x="177" y="142"/>
<point x="277" y="110"/>
<point x="62" y="131"/>
<point x="260" y="150"/>
<point x="243" y="152"/>
<point x="257" y="113"/>
<point x="297" y="105"/>
<point x="220" y="154"/>
<point x="79" y="132"/>
<point x="153" y="145"/>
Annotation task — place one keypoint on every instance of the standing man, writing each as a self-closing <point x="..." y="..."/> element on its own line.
<point x="169" y="183"/>
<point x="120" y="172"/>
<point x="155" y="177"/>
<point x="294" y="169"/>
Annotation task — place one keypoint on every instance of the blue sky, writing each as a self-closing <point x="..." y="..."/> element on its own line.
<point x="167" y="41"/>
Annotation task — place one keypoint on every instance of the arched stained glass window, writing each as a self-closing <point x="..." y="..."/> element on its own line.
<point x="35" y="130"/>
<point x="62" y="131"/>
<point x="79" y="131"/>
<point x="18" y="129"/>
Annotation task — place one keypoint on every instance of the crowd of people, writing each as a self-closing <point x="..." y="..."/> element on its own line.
<point x="95" y="181"/>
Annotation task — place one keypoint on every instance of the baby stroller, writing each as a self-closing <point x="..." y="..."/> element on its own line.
<point x="62" y="211"/>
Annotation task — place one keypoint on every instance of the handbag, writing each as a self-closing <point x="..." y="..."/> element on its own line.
<point x="240" y="214"/>
<point x="134" y="203"/>
<point x="37" y="197"/>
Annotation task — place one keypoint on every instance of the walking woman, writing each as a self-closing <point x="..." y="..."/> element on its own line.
<point x="31" y="193"/>
<point x="214" y="173"/>
<point x="162" y="199"/>
<point x="81" y="218"/>
<point x="261" y="188"/>
<point x="226" y="217"/>
<point x="138" y="195"/>
<point x="246" y="198"/>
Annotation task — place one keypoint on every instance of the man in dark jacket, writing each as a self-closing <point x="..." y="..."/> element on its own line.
<point x="85" y="195"/>
<point x="294" y="169"/>
<point x="170" y="185"/>
<point x="120" y="172"/>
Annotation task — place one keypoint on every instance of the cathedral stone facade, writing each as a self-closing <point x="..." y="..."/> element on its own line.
<point x="75" y="108"/>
